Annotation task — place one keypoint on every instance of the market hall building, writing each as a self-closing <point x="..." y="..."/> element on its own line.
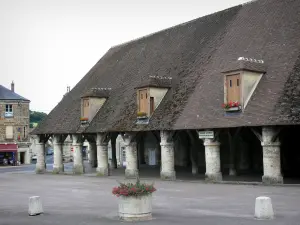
<point x="219" y="96"/>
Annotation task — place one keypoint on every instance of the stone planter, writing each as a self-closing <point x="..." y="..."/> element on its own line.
<point x="135" y="208"/>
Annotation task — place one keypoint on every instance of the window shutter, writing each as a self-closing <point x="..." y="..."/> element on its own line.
<point x="9" y="132"/>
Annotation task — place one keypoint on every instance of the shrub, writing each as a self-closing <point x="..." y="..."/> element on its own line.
<point x="133" y="189"/>
<point x="140" y="114"/>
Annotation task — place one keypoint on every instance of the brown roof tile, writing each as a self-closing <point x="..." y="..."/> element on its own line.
<point x="195" y="54"/>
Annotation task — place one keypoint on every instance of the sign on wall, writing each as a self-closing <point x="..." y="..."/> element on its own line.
<point x="206" y="134"/>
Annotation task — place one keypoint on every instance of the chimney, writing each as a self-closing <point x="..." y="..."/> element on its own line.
<point x="12" y="86"/>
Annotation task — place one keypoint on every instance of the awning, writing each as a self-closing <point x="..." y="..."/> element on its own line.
<point x="8" y="147"/>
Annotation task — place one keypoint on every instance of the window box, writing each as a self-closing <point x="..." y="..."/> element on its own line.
<point x="8" y="114"/>
<point x="232" y="107"/>
<point x="142" y="115"/>
<point x="84" y="120"/>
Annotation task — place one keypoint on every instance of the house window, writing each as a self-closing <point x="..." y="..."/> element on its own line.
<point x="9" y="132"/>
<point x="233" y="88"/>
<point x="143" y="104"/>
<point x="8" y="110"/>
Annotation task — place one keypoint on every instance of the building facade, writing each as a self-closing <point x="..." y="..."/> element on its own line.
<point x="218" y="96"/>
<point x="14" y="127"/>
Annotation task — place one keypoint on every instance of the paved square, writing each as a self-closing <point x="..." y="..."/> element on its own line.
<point x="71" y="200"/>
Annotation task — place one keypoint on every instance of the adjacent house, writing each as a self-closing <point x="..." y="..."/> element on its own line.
<point x="14" y="126"/>
<point x="218" y="96"/>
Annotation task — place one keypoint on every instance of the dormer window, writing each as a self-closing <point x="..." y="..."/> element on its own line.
<point x="233" y="88"/>
<point x="91" y="102"/>
<point x="240" y="81"/>
<point x="149" y="95"/>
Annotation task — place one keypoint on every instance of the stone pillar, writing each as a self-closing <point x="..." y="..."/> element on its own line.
<point x="102" y="154"/>
<point x="271" y="157"/>
<point x="213" y="161"/>
<point x="167" y="171"/>
<point x="93" y="154"/>
<point x="58" y="165"/>
<point x="78" y="167"/>
<point x="40" y="166"/>
<point x="131" y="170"/>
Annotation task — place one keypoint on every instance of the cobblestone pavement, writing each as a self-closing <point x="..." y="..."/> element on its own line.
<point x="71" y="200"/>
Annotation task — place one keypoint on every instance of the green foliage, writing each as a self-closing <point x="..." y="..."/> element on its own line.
<point x="36" y="117"/>
<point x="133" y="189"/>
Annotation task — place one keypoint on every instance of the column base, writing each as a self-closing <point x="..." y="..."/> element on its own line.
<point x="131" y="173"/>
<point x="57" y="170"/>
<point x="40" y="170"/>
<point x="78" y="169"/>
<point x="102" y="171"/>
<point x="272" y="180"/>
<point x="93" y="163"/>
<point x="168" y="175"/>
<point x="215" y="177"/>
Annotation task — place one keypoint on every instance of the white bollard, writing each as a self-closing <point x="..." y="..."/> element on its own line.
<point x="35" y="206"/>
<point x="264" y="208"/>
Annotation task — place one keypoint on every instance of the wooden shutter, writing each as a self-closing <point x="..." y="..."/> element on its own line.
<point x="151" y="105"/>
<point x="9" y="132"/>
<point x="143" y="96"/>
<point x="86" y="104"/>
<point x="233" y="88"/>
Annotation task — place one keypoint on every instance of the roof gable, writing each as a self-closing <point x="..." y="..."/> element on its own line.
<point x="6" y="94"/>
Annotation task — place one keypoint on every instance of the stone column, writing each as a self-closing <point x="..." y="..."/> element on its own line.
<point x="58" y="165"/>
<point x="102" y="154"/>
<point x="213" y="161"/>
<point x="40" y="166"/>
<point x="271" y="157"/>
<point x="167" y="171"/>
<point x="131" y="170"/>
<point x="93" y="154"/>
<point x="78" y="167"/>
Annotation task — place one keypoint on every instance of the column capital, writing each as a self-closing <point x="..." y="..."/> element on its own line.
<point x="167" y="144"/>
<point x="102" y="139"/>
<point x="76" y="139"/>
<point x="210" y="142"/>
<point x="166" y="136"/>
<point x="59" y="138"/>
<point x="271" y="144"/>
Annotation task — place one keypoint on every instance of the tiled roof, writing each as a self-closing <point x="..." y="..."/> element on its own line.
<point x="7" y="94"/>
<point x="195" y="54"/>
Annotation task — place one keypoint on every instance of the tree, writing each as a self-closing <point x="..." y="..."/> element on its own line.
<point x="36" y="117"/>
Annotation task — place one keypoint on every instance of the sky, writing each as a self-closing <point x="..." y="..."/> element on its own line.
<point x="47" y="45"/>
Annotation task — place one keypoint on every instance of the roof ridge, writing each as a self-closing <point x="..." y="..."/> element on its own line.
<point x="178" y="25"/>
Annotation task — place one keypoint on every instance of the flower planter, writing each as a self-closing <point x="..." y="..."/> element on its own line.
<point x="135" y="208"/>
<point x="233" y="109"/>
<point x="142" y="117"/>
<point x="83" y="122"/>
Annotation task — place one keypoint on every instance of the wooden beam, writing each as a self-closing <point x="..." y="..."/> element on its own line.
<point x="257" y="134"/>
<point x="157" y="137"/>
<point x="278" y="130"/>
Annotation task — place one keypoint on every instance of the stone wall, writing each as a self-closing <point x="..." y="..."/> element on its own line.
<point x="19" y="121"/>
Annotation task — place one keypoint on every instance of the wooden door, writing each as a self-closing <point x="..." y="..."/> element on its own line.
<point x="233" y="88"/>
<point x="143" y="96"/>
